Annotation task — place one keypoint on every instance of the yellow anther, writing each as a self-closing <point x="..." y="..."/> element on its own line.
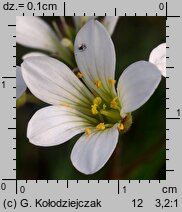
<point x="94" y="109"/>
<point x="114" y="103"/>
<point x="112" y="82"/>
<point x="100" y="126"/>
<point x="98" y="83"/>
<point x="79" y="75"/>
<point x="88" y="131"/>
<point x="120" y="126"/>
<point x="66" y="105"/>
<point x="97" y="101"/>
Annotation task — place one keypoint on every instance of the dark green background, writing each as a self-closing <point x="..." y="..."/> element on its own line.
<point x="140" y="153"/>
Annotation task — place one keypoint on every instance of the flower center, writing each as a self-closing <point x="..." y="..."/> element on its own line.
<point x="107" y="113"/>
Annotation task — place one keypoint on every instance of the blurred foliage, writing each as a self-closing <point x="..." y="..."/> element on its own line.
<point x="140" y="153"/>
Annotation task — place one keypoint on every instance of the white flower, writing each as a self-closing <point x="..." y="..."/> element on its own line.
<point x="35" y="33"/>
<point x="94" y="107"/>
<point x="20" y="84"/>
<point x="158" y="58"/>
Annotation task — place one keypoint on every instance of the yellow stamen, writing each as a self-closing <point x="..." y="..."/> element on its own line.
<point x="88" y="131"/>
<point x="66" y="104"/>
<point x="112" y="82"/>
<point x="100" y="126"/>
<point x="94" y="109"/>
<point x="114" y="103"/>
<point x="120" y="126"/>
<point x="79" y="75"/>
<point x="98" y="83"/>
<point x="97" y="101"/>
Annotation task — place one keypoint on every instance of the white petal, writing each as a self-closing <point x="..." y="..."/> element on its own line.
<point x="35" y="33"/>
<point x="33" y="54"/>
<point x="110" y="23"/>
<point x="79" y="21"/>
<point x="20" y="84"/>
<point x="53" y="82"/>
<point x="90" y="153"/>
<point x="54" y="125"/>
<point x="97" y="59"/>
<point x="158" y="58"/>
<point x="136" y="85"/>
<point x="92" y="17"/>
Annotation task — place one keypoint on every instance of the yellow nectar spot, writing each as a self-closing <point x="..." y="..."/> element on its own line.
<point x="114" y="103"/>
<point x="112" y="82"/>
<point x="94" y="109"/>
<point x="79" y="75"/>
<point x="88" y="131"/>
<point x="97" y="101"/>
<point x="98" y="83"/>
<point x="100" y="126"/>
<point x="66" y="104"/>
<point x="120" y="126"/>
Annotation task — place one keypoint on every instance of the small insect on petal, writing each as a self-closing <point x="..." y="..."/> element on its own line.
<point x="82" y="47"/>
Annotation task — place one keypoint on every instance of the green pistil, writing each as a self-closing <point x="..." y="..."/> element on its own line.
<point x="113" y="116"/>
